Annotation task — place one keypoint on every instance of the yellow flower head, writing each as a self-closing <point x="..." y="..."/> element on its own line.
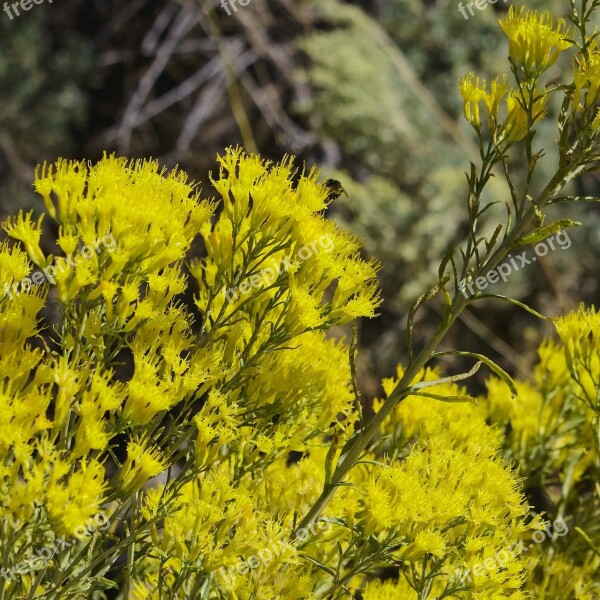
<point x="580" y="334"/>
<point x="474" y="92"/>
<point x="587" y="77"/>
<point x="14" y="266"/>
<point x="21" y="228"/>
<point x="142" y="464"/>
<point x="535" y="41"/>
<point x="516" y="126"/>
<point x="73" y="501"/>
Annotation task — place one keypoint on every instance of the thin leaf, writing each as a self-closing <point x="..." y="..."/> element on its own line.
<point x="497" y="369"/>
<point x="543" y="232"/>
<point x="451" y="379"/>
<point x="412" y="313"/>
<point x="470" y="399"/>
<point x="330" y="458"/>
<point x="519" y="304"/>
<point x="320" y="565"/>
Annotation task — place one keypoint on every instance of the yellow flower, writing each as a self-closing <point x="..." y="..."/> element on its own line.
<point x="21" y="228"/>
<point x="142" y="464"/>
<point x="587" y="77"/>
<point x="517" y="124"/>
<point x="145" y="396"/>
<point x="72" y="503"/>
<point x="474" y="92"/>
<point x="396" y="590"/>
<point x="580" y="334"/>
<point x="14" y="266"/>
<point x="535" y="41"/>
<point x="133" y="219"/>
<point x="418" y="417"/>
<point x="426" y="542"/>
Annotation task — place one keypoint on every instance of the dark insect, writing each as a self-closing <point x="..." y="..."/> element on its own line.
<point x="335" y="189"/>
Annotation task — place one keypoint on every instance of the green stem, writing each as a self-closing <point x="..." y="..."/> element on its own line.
<point x="131" y="549"/>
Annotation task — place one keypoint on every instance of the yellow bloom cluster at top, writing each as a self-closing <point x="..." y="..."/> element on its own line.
<point x="266" y="220"/>
<point x="535" y="43"/>
<point x="535" y="40"/>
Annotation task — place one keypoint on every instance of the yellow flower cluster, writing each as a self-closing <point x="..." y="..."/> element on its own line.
<point x="518" y="104"/>
<point x="535" y="43"/>
<point x="564" y="390"/>
<point x="211" y="526"/>
<point x="535" y="40"/>
<point x="552" y="432"/>
<point x="231" y="395"/>
<point x="579" y="333"/>
<point x="34" y="472"/>
<point x="452" y="498"/>
<point x="269" y="239"/>
<point x="587" y="77"/>
<point x="153" y="219"/>
<point x="234" y="410"/>
<point x="475" y="91"/>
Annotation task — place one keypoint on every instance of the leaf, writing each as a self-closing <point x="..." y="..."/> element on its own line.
<point x="585" y="536"/>
<point x="450" y="379"/>
<point x="497" y="369"/>
<point x="320" y="565"/>
<point x="412" y="313"/>
<point x="447" y="258"/>
<point x="492" y="241"/>
<point x="352" y="351"/>
<point x="520" y="304"/>
<point x="330" y="458"/>
<point x="447" y="398"/>
<point x="543" y="232"/>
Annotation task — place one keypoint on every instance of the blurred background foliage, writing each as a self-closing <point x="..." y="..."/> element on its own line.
<point x="366" y="90"/>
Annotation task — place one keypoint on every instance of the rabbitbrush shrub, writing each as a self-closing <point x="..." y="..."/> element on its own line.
<point x="153" y="448"/>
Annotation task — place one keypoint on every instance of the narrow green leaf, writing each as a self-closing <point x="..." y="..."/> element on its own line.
<point x="412" y="313"/>
<point x="319" y="564"/>
<point x="519" y="304"/>
<point x="497" y="369"/>
<point x="330" y="457"/>
<point x="492" y="241"/>
<point x="543" y="232"/>
<point x="447" y="258"/>
<point x="447" y="398"/>
<point x="450" y="379"/>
